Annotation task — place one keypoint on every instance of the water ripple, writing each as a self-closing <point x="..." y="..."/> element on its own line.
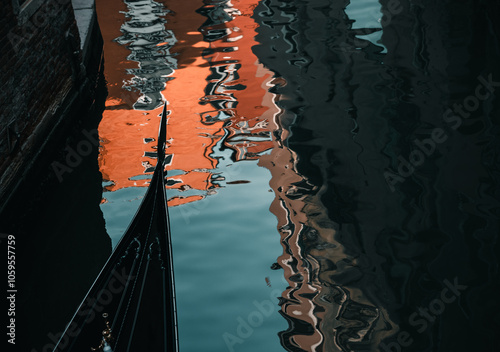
<point x="144" y="34"/>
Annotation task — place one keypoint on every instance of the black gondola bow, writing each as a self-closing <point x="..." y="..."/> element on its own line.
<point x="131" y="305"/>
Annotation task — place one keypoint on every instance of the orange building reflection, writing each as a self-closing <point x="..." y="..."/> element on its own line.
<point x="218" y="94"/>
<point x="198" y="70"/>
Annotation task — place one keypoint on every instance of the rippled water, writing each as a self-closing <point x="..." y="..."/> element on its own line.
<point x="314" y="135"/>
<point x="221" y="112"/>
<point x="332" y="169"/>
<point x="384" y="208"/>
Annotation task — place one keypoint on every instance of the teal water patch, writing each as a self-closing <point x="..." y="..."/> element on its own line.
<point x="224" y="246"/>
<point x="367" y="14"/>
<point x="119" y="210"/>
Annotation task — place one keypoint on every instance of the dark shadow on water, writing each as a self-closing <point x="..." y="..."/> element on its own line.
<point x="61" y="241"/>
<point x="400" y="195"/>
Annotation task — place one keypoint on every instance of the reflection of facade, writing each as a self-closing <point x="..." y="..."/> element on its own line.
<point x="128" y="137"/>
<point x="323" y="314"/>
<point x="233" y="91"/>
<point x="358" y="258"/>
<point x="333" y="303"/>
<point x="144" y="34"/>
<point x="227" y="116"/>
<point x="371" y="257"/>
<point x="299" y="305"/>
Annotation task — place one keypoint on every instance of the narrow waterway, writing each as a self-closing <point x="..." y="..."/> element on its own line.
<point x="314" y="166"/>
<point x="198" y="57"/>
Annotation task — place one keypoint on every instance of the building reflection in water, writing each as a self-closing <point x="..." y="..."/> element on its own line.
<point x="361" y="259"/>
<point x="144" y="34"/>
<point x="222" y="99"/>
<point x="203" y="53"/>
<point x="324" y="309"/>
<point x="327" y="107"/>
<point x="233" y="93"/>
<point x="329" y="304"/>
<point x="138" y="63"/>
<point x="215" y="96"/>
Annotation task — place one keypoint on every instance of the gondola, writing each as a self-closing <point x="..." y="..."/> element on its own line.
<point x="131" y="305"/>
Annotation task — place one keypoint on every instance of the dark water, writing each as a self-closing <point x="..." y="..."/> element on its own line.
<point x="61" y="242"/>
<point x="381" y="137"/>
<point x="385" y="239"/>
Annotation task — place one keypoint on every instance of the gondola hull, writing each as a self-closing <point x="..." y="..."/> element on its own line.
<point x="131" y="305"/>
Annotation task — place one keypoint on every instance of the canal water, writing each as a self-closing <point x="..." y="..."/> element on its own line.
<point x="333" y="173"/>
<point x="333" y="167"/>
<point x="198" y="57"/>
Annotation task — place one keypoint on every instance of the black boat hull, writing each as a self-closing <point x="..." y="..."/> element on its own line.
<point x="131" y="305"/>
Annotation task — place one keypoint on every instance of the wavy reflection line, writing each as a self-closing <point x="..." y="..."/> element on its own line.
<point x="144" y="34"/>
<point x="324" y="306"/>
<point x="229" y="32"/>
<point x="324" y="314"/>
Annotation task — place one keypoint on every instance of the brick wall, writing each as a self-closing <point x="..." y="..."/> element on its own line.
<point x="38" y="67"/>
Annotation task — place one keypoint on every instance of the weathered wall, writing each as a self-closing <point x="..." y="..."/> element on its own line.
<point x="39" y="64"/>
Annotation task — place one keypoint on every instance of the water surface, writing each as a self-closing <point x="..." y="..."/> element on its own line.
<point x="314" y="163"/>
